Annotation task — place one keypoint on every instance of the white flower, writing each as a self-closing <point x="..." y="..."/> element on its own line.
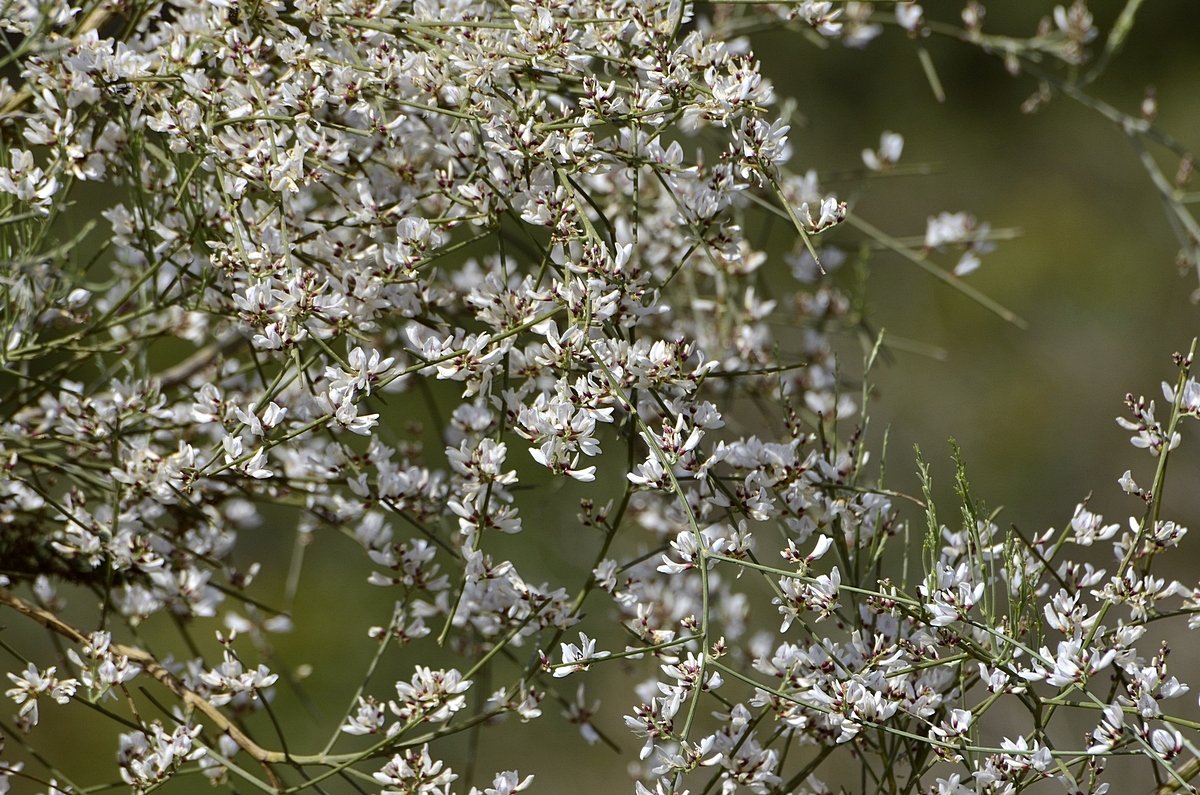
<point x="505" y="783"/>
<point x="230" y="680"/>
<point x="1167" y="743"/>
<point x="959" y="229"/>
<point x="430" y="696"/>
<point x="575" y="658"/>
<point x="368" y="718"/>
<point x="822" y="16"/>
<point x="890" y="146"/>
<point x="101" y="669"/>
<point x="910" y="16"/>
<point x="1189" y="396"/>
<point x="34" y="683"/>
<point x="1086" y="527"/>
<point x="415" y="772"/>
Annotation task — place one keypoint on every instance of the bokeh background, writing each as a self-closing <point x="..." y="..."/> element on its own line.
<point x="1092" y="271"/>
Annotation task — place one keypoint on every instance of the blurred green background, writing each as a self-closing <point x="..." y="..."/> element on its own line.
<point x="1093" y="273"/>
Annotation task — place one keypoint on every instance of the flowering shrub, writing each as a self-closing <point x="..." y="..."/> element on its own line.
<point x="315" y="212"/>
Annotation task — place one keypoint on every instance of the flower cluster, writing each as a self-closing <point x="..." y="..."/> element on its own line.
<point x="32" y="685"/>
<point x="401" y="272"/>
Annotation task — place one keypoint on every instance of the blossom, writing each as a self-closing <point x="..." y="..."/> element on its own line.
<point x="415" y="772"/>
<point x="407" y="274"/>
<point x="27" y="182"/>
<point x="1188" y="396"/>
<point x="506" y="783"/>
<point x="890" y="146"/>
<point x="574" y="658"/>
<point x="230" y="680"/>
<point x="430" y="696"/>
<point x="33" y="683"/>
<point x="101" y="668"/>
<point x="368" y="718"/>
<point x="909" y="16"/>
<point x="148" y="760"/>
<point x="959" y="229"/>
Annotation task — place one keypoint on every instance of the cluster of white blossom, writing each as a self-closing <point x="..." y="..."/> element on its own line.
<point x="315" y="212"/>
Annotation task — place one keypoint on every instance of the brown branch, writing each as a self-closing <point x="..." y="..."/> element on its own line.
<point x="155" y="669"/>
